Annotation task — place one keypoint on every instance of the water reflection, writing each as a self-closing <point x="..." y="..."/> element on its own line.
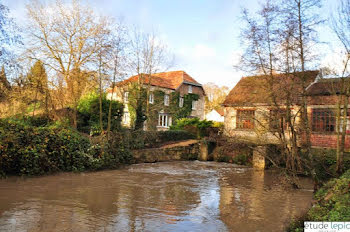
<point x="177" y="196"/>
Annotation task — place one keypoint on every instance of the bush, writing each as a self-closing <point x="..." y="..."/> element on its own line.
<point x="325" y="163"/>
<point x="89" y="114"/>
<point x="198" y="128"/>
<point x="333" y="203"/>
<point x="149" y="139"/>
<point x="32" y="150"/>
<point x="238" y="153"/>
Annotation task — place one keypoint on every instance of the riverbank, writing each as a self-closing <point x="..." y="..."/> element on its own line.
<point x="332" y="203"/>
<point x="38" y="147"/>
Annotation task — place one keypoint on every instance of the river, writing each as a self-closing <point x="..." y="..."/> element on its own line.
<point x="169" y="196"/>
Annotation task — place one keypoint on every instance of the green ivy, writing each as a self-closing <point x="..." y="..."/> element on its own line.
<point x="138" y="106"/>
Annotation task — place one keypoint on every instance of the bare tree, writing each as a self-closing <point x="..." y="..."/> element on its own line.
<point x="304" y="18"/>
<point x="340" y="24"/>
<point x="118" y="58"/>
<point x="148" y="55"/>
<point x="277" y="42"/>
<point x="67" y="37"/>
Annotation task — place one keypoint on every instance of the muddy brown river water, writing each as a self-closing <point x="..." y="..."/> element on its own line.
<point x="170" y="196"/>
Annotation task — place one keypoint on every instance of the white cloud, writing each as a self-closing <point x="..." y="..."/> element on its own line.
<point x="203" y="51"/>
<point x="207" y="64"/>
<point x="335" y="61"/>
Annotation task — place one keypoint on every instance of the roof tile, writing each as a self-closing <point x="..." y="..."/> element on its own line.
<point x="169" y="80"/>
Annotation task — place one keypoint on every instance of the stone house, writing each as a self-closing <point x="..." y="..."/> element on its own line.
<point x="249" y="109"/>
<point x="322" y="103"/>
<point x="173" y="84"/>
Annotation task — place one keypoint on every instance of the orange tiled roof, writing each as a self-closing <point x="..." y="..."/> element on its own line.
<point x="220" y="111"/>
<point x="169" y="80"/>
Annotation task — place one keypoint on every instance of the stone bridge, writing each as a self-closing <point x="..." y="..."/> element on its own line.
<point x="185" y="150"/>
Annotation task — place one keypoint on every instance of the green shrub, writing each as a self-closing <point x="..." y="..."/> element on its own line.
<point x="242" y="159"/>
<point x="150" y="139"/>
<point x="325" y="163"/>
<point x="198" y="128"/>
<point x="32" y="150"/>
<point x="89" y="114"/>
<point x="218" y="124"/>
<point x="333" y="203"/>
<point x="29" y="150"/>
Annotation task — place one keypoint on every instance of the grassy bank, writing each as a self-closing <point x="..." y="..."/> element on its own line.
<point x="332" y="203"/>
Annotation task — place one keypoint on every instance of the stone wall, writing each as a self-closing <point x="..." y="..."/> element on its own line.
<point x="189" y="152"/>
<point x="261" y="133"/>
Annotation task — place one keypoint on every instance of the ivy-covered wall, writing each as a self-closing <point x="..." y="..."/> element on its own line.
<point x="140" y="109"/>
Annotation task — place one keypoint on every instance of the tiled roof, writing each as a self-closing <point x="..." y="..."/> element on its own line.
<point x="220" y="111"/>
<point x="169" y="80"/>
<point x="327" y="86"/>
<point x="255" y="89"/>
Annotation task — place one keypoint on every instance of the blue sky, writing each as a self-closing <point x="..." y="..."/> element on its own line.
<point x="203" y="34"/>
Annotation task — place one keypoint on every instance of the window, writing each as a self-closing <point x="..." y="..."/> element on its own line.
<point x="245" y="119"/>
<point x="126" y="96"/>
<point x="181" y="102"/>
<point x="164" y="120"/>
<point x="278" y="120"/>
<point x="190" y="89"/>
<point x="126" y="117"/>
<point x="151" y="98"/>
<point x="323" y="120"/>
<point x="194" y="105"/>
<point x="166" y="99"/>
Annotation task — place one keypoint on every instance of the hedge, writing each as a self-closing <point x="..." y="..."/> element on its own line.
<point x="37" y="150"/>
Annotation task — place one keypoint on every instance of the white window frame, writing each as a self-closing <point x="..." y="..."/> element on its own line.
<point x="166" y="99"/>
<point x="151" y="98"/>
<point x="194" y="105"/>
<point x="190" y="89"/>
<point x="126" y="96"/>
<point x="164" y="120"/>
<point x="181" y="102"/>
<point x="126" y="117"/>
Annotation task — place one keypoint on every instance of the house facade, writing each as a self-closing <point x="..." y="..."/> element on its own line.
<point x="323" y="98"/>
<point x="251" y="114"/>
<point x="168" y="96"/>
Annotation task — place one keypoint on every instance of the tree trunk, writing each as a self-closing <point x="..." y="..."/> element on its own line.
<point x="109" y="119"/>
<point x="338" y="124"/>
<point x="100" y="94"/>
<point x="340" y="155"/>
<point x="35" y="99"/>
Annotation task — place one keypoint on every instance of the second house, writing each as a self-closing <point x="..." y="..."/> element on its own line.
<point x="161" y="98"/>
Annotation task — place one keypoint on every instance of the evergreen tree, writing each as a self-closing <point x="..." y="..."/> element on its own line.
<point x="37" y="78"/>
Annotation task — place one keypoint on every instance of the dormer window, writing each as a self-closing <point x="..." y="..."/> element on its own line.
<point x="126" y="96"/>
<point x="166" y="99"/>
<point x="190" y="89"/>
